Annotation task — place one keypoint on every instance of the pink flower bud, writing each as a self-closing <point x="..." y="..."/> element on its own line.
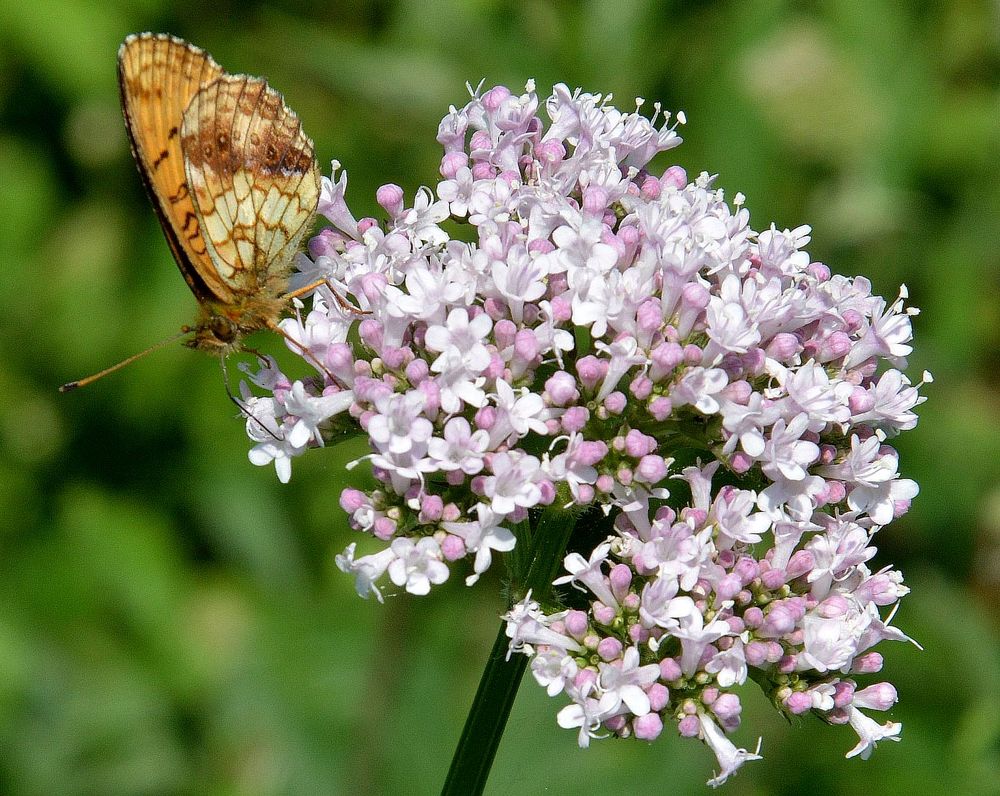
<point x="390" y="197"/>
<point x="756" y="653"/>
<point x="325" y="243"/>
<point x="451" y="163"/>
<point x="833" y="607"/>
<point x="798" y="702"/>
<point x="495" y="97"/>
<point x="551" y="151"/>
<point x="615" y="403"/>
<point x="526" y="345"/>
<point x="783" y="347"/>
<point x="880" y="696"/>
<point x="482" y="170"/>
<point x="728" y="708"/>
<point x="692" y="354"/>
<point x="661" y="408"/>
<point x="868" y="663"/>
<point x="575" y="418"/>
<point x="620" y="578"/>
<point x="384" y="528"/>
<point x="595" y="199"/>
<point x="740" y="462"/>
<point x="652" y="469"/>
<point x="576" y="624"/>
<point x="651" y="187"/>
<point x="352" y="499"/>
<point x="431" y="508"/>
<point x="670" y="670"/>
<point x="590" y="452"/>
<point x="591" y="370"/>
<point x="453" y="548"/>
<point x="773" y="579"/>
<point x="819" y="272"/>
<point x="609" y="649"/>
<point x="843" y="693"/>
<point x="674" y="177"/>
<point x="636" y="633"/>
<point x="604" y="614"/>
<point x="689" y="727"/>
<point x="641" y="387"/>
<point x="648" y="727"/>
<point x="799" y="564"/>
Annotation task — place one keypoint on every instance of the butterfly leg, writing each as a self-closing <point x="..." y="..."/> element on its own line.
<point x="344" y="303"/>
<point x="301" y="348"/>
<point x="244" y="409"/>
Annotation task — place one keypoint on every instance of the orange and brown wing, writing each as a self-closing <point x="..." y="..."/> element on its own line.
<point x="253" y="176"/>
<point x="158" y="75"/>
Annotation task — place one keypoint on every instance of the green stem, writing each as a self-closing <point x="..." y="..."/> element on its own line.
<point x="470" y="767"/>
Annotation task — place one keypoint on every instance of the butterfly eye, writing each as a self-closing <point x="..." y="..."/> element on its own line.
<point x="223" y="328"/>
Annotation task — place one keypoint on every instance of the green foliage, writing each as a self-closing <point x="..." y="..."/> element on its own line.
<point x="170" y="617"/>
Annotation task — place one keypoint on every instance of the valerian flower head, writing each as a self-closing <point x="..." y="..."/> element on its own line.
<point x="605" y="333"/>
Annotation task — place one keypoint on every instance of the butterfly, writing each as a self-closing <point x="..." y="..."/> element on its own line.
<point x="231" y="176"/>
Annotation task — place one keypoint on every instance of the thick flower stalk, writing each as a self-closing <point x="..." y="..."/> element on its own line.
<point x="559" y="325"/>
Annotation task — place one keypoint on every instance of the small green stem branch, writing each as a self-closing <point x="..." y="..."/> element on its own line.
<point x="470" y="767"/>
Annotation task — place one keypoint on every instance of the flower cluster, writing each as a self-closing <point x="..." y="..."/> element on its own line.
<point x="560" y="325"/>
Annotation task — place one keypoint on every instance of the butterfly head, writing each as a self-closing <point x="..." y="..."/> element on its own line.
<point x="216" y="334"/>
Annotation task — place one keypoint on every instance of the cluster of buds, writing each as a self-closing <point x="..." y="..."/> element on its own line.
<point x="557" y="325"/>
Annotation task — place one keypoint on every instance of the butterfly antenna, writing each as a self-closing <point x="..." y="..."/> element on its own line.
<point x="74" y="385"/>
<point x="244" y="409"/>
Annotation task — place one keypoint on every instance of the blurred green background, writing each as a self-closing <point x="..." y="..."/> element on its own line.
<point x="171" y="620"/>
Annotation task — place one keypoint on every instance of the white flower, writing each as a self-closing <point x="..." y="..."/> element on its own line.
<point x="513" y="482"/>
<point x="870" y="732"/>
<point x="589" y="573"/>
<point x="812" y="392"/>
<point x="785" y="455"/>
<point x="730" y="758"/>
<point x="729" y="666"/>
<point x="280" y="451"/>
<point x="398" y="427"/>
<point x="624" y="683"/>
<point x="699" y="387"/>
<point x="457" y="192"/>
<point x="463" y="356"/>
<point x="887" y="335"/>
<point x="877" y="485"/>
<point x="519" y="278"/>
<point x="528" y="627"/>
<point x="829" y="644"/>
<point x="727" y="324"/>
<point x="332" y="204"/>
<point x="689" y="626"/>
<point x="482" y="536"/>
<point x="553" y="669"/>
<point x="746" y="424"/>
<point x="423" y="218"/>
<point x="366" y="570"/>
<point x="417" y="565"/>
<point x="459" y="447"/>
<point x="585" y="713"/>
<point x="517" y="414"/>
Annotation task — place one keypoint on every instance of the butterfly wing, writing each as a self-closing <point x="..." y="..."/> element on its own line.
<point x="158" y="75"/>
<point x="253" y="176"/>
